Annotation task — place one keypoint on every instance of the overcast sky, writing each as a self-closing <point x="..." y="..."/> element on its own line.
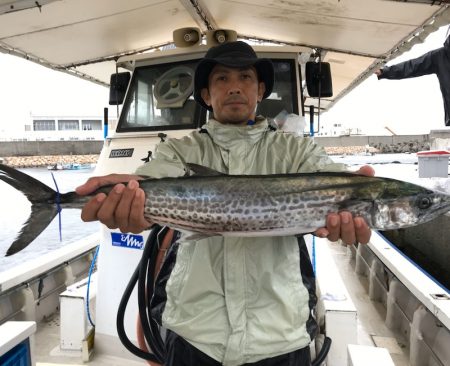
<point x="408" y="106"/>
<point x="412" y="106"/>
<point x="30" y="89"/>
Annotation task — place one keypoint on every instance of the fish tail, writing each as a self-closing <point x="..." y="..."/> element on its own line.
<point x="43" y="208"/>
<point x="33" y="189"/>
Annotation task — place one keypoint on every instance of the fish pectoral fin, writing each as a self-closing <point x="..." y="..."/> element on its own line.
<point x="356" y="206"/>
<point x="201" y="170"/>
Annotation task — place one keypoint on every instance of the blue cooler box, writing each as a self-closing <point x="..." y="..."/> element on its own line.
<point x="18" y="356"/>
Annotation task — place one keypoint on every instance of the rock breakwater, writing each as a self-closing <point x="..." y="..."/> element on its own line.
<point x="350" y="150"/>
<point x="46" y="160"/>
<point x="379" y="148"/>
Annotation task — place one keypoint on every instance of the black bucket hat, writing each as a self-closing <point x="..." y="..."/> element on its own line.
<point x="232" y="54"/>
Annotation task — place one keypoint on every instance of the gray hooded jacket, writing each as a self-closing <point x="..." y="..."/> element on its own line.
<point x="433" y="62"/>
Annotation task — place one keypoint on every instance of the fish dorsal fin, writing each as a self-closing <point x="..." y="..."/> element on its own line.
<point x="200" y="170"/>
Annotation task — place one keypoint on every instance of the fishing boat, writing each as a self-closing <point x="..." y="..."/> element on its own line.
<point x="57" y="166"/>
<point x="377" y="305"/>
<point x="69" y="166"/>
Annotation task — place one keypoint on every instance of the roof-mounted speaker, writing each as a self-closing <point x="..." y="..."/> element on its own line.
<point x="187" y="37"/>
<point x="219" y="36"/>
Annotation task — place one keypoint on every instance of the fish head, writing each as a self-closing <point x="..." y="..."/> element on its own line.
<point x="431" y="205"/>
<point x="406" y="211"/>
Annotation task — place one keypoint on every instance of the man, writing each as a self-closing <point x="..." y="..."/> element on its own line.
<point x="433" y="62"/>
<point x="231" y="301"/>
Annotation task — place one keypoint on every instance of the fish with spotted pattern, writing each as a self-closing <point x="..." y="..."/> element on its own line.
<point x="208" y="203"/>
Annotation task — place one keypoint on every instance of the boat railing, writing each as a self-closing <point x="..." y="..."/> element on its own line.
<point x="30" y="291"/>
<point x="417" y="306"/>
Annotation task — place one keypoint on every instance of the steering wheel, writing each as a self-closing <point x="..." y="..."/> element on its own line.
<point x="174" y="86"/>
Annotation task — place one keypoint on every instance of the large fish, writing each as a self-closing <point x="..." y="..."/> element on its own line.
<point x="210" y="203"/>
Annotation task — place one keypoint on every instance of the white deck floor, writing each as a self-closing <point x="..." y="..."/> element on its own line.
<point x="48" y="353"/>
<point x="372" y="330"/>
<point x="371" y="327"/>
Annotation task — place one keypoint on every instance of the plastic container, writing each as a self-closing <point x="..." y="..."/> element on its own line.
<point x="433" y="163"/>
<point x="18" y="356"/>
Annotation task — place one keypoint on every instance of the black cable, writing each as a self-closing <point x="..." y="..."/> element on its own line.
<point x="120" y="321"/>
<point x="151" y="289"/>
<point x="142" y="267"/>
<point x="323" y="352"/>
<point x="145" y="291"/>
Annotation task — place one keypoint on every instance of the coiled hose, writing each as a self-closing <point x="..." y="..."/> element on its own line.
<point x="143" y="276"/>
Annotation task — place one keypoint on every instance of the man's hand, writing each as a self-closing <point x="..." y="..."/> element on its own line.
<point x="122" y="208"/>
<point x="345" y="227"/>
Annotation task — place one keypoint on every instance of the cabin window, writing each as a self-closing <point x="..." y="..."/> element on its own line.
<point x="284" y="94"/>
<point x="160" y="98"/>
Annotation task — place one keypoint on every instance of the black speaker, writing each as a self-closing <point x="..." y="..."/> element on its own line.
<point x="118" y="86"/>
<point x="318" y="79"/>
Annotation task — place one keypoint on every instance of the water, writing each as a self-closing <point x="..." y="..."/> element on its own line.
<point x="15" y="210"/>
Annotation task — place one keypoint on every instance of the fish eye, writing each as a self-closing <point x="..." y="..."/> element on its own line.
<point x="424" y="202"/>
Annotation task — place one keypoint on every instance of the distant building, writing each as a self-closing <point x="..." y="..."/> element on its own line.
<point x="63" y="128"/>
<point x="337" y="129"/>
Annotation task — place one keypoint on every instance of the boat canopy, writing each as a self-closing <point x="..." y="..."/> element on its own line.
<point x="86" y="38"/>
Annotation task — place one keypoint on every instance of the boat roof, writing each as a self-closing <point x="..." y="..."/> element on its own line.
<point x="86" y="38"/>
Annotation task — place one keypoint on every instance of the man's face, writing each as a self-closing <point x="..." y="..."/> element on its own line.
<point x="233" y="94"/>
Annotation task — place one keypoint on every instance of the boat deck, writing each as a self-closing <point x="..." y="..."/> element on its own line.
<point x="372" y="330"/>
<point x="48" y="353"/>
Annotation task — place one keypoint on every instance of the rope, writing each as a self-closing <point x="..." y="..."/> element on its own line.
<point x="91" y="269"/>
<point x="58" y="206"/>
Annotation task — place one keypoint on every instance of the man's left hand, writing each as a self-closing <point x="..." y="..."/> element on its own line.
<point x="344" y="226"/>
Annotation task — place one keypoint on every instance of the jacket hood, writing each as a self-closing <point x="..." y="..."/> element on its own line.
<point x="230" y="136"/>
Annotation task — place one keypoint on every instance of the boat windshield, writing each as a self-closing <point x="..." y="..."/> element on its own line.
<point x="160" y="97"/>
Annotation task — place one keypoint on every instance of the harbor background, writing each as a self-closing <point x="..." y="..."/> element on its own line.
<point x="403" y="166"/>
<point x="22" y="154"/>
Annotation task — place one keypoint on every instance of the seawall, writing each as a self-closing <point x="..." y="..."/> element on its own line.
<point x="43" y="153"/>
<point x="46" y="160"/>
<point x="36" y="148"/>
<point x="41" y="148"/>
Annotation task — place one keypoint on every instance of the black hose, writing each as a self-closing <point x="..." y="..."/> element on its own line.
<point x="151" y="333"/>
<point x="120" y="321"/>
<point x="323" y="352"/>
<point x="145" y="291"/>
<point x="156" y="332"/>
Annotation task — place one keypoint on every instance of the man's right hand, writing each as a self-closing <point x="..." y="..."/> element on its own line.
<point x="378" y="72"/>
<point x="122" y="208"/>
